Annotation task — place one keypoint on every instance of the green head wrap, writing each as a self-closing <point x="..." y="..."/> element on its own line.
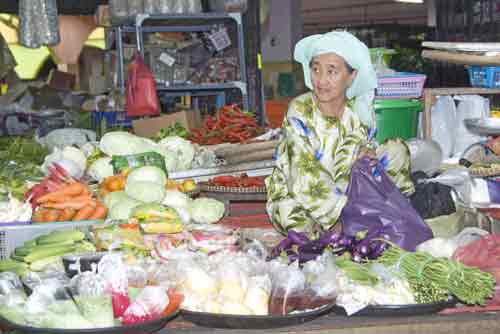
<point x="356" y="54"/>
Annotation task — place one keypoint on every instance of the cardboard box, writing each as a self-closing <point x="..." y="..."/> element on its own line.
<point x="148" y="127"/>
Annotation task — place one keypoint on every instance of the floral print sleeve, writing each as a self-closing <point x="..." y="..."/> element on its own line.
<point x="307" y="189"/>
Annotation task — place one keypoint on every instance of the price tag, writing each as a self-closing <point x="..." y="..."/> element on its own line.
<point x="166" y="59"/>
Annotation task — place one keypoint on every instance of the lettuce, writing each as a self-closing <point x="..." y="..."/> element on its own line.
<point x="145" y="191"/>
<point x="206" y="210"/>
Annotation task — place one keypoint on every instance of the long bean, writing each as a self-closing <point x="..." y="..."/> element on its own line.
<point x="432" y="277"/>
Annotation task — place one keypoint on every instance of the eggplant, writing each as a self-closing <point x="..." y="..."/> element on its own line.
<point x="298" y="238"/>
<point x="284" y="245"/>
<point x="378" y="250"/>
<point x="329" y="237"/>
<point x="313" y="247"/>
<point x="357" y="257"/>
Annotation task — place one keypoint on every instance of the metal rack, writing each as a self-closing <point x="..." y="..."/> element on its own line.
<point x="204" y="22"/>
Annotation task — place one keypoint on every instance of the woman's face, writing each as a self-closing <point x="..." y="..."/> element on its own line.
<point x="330" y="77"/>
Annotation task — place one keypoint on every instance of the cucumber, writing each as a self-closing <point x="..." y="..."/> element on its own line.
<point x="17" y="258"/>
<point x="39" y="265"/>
<point x="10" y="265"/>
<point x="30" y="243"/>
<point x="23" y="251"/>
<point x="44" y="253"/>
<point x="60" y="236"/>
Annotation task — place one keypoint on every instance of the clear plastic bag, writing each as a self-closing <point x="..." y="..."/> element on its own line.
<point x="149" y="305"/>
<point x="469" y="106"/>
<point x="321" y="288"/>
<point x="11" y="289"/>
<point x="258" y="294"/>
<point x="233" y="280"/>
<point x="288" y="286"/>
<point x="165" y="6"/>
<point x="137" y="276"/>
<point x="443" y="119"/>
<point x="114" y="273"/>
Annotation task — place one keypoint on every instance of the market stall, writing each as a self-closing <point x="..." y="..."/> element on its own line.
<point x="158" y="219"/>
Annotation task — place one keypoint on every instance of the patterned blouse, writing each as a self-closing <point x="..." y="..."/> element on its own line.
<point x="307" y="189"/>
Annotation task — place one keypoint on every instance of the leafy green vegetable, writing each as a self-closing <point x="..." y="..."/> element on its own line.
<point x="145" y="191"/>
<point x="206" y="210"/>
<point x="176" y="129"/>
<point x="21" y="149"/>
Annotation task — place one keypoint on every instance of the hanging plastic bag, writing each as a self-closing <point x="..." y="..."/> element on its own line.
<point x="141" y="90"/>
<point x="443" y="119"/>
<point x="377" y="206"/>
<point x="469" y="106"/>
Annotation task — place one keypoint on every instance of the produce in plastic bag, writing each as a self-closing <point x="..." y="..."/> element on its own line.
<point x="112" y="269"/>
<point x="258" y="294"/>
<point x="122" y="162"/>
<point x="11" y="290"/>
<point x="321" y="288"/>
<point x="376" y="205"/>
<point x="287" y="291"/>
<point x="149" y="305"/>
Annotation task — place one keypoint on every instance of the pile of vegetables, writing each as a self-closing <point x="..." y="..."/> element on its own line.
<point x="174" y="130"/>
<point x="297" y="246"/>
<point x="59" y="197"/>
<point x="231" y="125"/>
<point x="45" y="250"/>
<point x="13" y="210"/>
<point x="434" y="279"/>
<point x="20" y="160"/>
<point x="241" y="181"/>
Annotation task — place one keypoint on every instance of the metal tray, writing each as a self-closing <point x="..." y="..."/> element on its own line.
<point x="399" y="310"/>
<point x="213" y="320"/>
<point x="483" y="126"/>
<point x="144" y="328"/>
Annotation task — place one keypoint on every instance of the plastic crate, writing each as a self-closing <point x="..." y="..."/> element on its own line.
<point x="111" y="119"/>
<point x="484" y="76"/>
<point x="401" y="85"/>
<point x="14" y="236"/>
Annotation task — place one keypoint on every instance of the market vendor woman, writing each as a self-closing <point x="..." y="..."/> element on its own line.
<point x="324" y="132"/>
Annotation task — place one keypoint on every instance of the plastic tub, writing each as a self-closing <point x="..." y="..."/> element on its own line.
<point x="401" y="85"/>
<point x="397" y="118"/>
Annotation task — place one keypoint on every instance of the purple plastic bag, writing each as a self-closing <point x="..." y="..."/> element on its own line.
<point x="376" y="205"/>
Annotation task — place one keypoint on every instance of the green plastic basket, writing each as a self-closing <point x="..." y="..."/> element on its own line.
<point x="397" y="118"/>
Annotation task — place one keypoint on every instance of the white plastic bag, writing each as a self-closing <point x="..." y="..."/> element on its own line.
<point x="469" y="106"/>
<point x="443" y="119"/>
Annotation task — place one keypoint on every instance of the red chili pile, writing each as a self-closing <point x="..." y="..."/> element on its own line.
<point x="242" y="181"/>
<point x="231" y="125"/>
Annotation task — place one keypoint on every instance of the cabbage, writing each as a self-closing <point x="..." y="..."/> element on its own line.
<point x="149" y="174"/>
<point x="122" y="210"/>
<point x="182" y="149"/>
<point x="206" y="210"/>
<point x="124" y="143"/>
<point x="100" y="169"/>
<point x="176" y="199"/>
<point x="72" y="159"/>
<point x="145" y="191"/>
<point x="119" y="143"/>
<point x="114" y="197"/>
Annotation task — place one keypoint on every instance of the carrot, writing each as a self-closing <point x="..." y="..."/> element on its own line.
<point x="39" y="216"/>
<point x="73" y="189"/>
<point x="85" y="212"/>
<point x="100" y="212"/>
<point x="175" y="301"/>
<point x="77" y="205"/>
<point x="67" y="214"/>
<point x="52" y="215"/>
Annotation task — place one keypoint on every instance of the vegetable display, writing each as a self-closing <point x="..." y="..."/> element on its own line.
<point x="241" y="181"/>
<point x="434" y="279"/>
<point x="298" y="247"/>
<point x="176" y="129"/>
<point x="231" y="125"/>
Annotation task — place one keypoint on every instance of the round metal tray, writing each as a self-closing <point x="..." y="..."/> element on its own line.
<point x="483" y="126"/>
<point x="214" y="320"/>
<point x="399" y="310"/>
<point x="147" y="327"/>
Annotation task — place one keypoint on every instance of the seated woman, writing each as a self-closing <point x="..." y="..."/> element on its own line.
<point x="324" y="132"/>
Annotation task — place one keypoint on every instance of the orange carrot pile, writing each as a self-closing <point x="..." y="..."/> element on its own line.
<point x="68" y="200"/>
